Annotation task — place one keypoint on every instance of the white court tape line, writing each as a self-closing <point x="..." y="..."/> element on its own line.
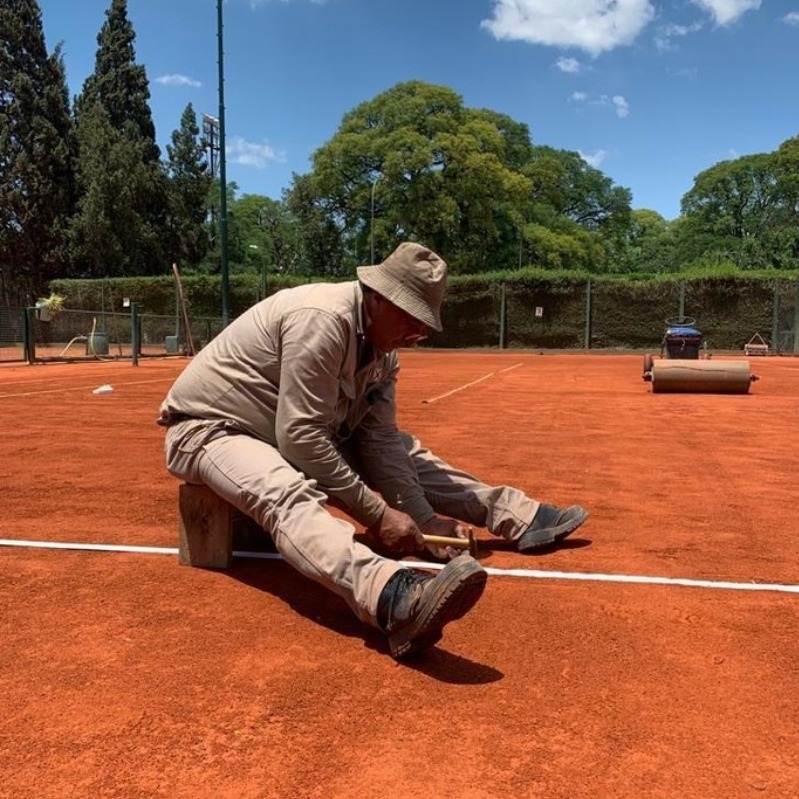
<point x="467" y="385"/>
<point x="82" y="388"/>
<point x="15" y="542"/>
<point x="508" y="368"/>
<point x="536" y="574"/>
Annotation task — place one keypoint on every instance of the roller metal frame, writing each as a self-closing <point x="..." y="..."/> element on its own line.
<point x="677" y="343"/>
<point x="683" y="342"/>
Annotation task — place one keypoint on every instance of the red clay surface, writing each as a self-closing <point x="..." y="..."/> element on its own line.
<point x="127" y="675"/>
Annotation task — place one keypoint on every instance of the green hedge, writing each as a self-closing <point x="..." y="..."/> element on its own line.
<point x="625" y="312"/>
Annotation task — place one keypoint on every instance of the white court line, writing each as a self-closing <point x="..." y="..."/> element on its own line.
<point x="535" y="574"/>
<point x="83" y="388"/>
<point x="468" y="385"/>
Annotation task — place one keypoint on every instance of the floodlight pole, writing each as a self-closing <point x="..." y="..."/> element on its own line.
<point x="222" y="170"/>
<point x="372" y="222"/>
<point x="262" y="263"/>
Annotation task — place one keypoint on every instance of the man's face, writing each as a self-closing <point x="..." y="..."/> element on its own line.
<point x="391" y="328"/>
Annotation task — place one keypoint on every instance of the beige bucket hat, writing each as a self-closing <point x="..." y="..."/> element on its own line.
<point x="414" y="278"/>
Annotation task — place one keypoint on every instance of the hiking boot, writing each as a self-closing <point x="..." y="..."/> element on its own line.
<point x="414" y="607"/>
<point x="551" y="525"/>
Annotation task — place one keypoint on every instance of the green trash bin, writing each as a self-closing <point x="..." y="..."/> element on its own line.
<point x="97" y="344"/>
<point x="171" y="345"/>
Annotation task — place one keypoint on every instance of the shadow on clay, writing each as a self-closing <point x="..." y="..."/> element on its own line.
<point x="318" y="605"/>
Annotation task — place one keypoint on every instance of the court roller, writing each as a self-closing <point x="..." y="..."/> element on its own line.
<point x="700" y="377"/>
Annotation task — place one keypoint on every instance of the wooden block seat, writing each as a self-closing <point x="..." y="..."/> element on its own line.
<point x="210" y="529"/>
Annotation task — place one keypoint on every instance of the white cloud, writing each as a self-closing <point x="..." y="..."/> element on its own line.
<point x="591" y="25"/>
<point x="568" y="65"/>
<point x="246" y="153"/>
<point x="594" y="159"/>
<point x="621" y="105"/>
<point x="725" y="12"/>
<point x="792" y="18"/>
<point x="683" y="72"/>
<point x="178" y="80"/>
<point x="663" y="38"/>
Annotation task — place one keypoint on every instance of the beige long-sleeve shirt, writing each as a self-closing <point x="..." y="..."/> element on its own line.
<point x="295" y="371"/>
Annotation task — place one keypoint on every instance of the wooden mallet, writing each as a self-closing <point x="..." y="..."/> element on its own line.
<point x="454" y="542"/>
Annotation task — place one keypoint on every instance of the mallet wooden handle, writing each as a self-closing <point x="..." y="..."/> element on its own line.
<point x="446" y="541"/>
<point x="454" y="542"/>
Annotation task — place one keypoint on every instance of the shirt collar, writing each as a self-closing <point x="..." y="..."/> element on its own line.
<point x="360" y="312"/>
<point x="366" y="353"/>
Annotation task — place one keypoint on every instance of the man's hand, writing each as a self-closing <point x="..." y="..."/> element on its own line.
<point x="450" y="528"/>
<point x="397" y="532"/>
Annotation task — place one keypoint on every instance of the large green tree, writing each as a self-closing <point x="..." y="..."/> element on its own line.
<point x="36" y="183"/>
<point x="786" y="238"/>
<point x="745" y="211"/>
<point x="415" y="163"/>
<point x="319" y="244"/>
<point x="737" y="198"/>
<point x="649" y="245"/>
<point x="586" y="214"/>
<point x="131" y="206"/>
<point x="563" y="180"/>
<point x="270" y="234"/>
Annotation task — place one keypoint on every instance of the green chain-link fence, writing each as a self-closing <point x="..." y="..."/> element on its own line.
<point x="28" y="335"/>
<point x="535" y="313"/>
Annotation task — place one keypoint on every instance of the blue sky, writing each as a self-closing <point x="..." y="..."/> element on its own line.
<point x="652" y="93"/>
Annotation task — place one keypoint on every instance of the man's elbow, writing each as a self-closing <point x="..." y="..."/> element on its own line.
<point x="298" y="446"/>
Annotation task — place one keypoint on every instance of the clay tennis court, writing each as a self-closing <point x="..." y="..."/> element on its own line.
<point x="657" y="655"/>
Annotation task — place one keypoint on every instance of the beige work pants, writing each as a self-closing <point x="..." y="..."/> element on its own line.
<point x="255" y="478"/>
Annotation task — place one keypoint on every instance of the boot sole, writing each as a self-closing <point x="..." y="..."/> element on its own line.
<point x="552" y="535"/>
<point x="461" y="585"/>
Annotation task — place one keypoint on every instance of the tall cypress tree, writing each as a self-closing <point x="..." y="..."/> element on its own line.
<point x="189" y="183"/>
<point x="36" y="184"/>
<point x="127" y="195"/>
<point x="118" y="83"/>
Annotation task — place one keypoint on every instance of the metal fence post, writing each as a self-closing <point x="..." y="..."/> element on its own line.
<point x="775" y="318"/>
<point x="796" y="321"/>
<point x="135" y="333"/>
<point x="28" y="345"/>
<point x="587" y="342"/>
<point x="502" y="316"/>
